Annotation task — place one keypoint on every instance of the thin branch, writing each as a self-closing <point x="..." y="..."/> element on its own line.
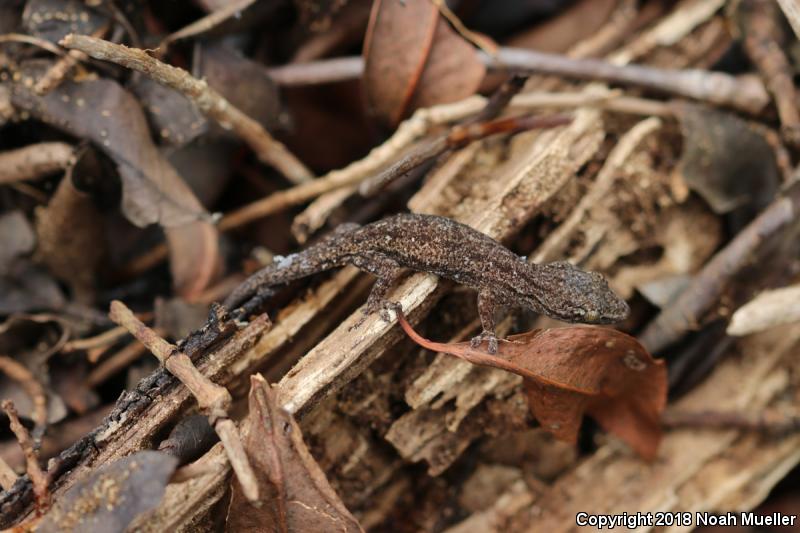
<point x="318" y="72"/>
<point x="202" y="25"/>
<point x="56" y="74"/>
<point x="214" y="105"/>
<point x="762" y="35"/>
<point x="38" y="477"/>
<point x="34" y="41"/>
<point x="100" y="340"/>
<point x="458" y="137"/>
<point x="18" y="372"/>
<point x="686" y="312"/>
<point x="213" y="400"/>
<point x="745" y="93"/>
<point x="770" y="422"/>
<point x="119" y="360"/>
<point x="34" y="161"/>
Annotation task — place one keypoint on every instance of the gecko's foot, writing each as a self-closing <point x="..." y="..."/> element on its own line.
<point x="487" y="336"/>
<point x="383" y="307"/>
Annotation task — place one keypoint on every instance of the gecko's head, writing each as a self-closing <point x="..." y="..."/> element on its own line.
<point x="574" y="295"/>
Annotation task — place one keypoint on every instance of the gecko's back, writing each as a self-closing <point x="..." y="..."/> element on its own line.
<point x="432" y="244"/>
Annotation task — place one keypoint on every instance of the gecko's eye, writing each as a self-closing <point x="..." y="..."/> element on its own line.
<point x="591" y="316"/>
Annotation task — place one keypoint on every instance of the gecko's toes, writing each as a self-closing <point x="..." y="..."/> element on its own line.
<point x="489" y="337"/>
<point x="388" y="305"/>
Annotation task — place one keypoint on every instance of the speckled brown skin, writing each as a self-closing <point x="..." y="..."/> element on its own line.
<point x="447" y="248"/>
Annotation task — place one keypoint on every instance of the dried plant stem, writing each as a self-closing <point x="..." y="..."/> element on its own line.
<point x="34" y="41"/>
<point x="686" y="311"/>
<point x="268" y="149"/>
<point x="56" y="74"/>
<point x="213" y="400"/>
<point x="35" y="472"/>
<point x="7" y="475"/>
<point x="206" y="23"/>
<point x="115" y="363"/>
<point x="458" y="137"/>
<point x="770" y="422"/>
<point x="19" y="373"/>
<point x="98" y="341"/>
<point x="318" y="72"/>
<point x="744" y="93"/>
<point x="34" y="161"/>
<point x="762" y="38"/>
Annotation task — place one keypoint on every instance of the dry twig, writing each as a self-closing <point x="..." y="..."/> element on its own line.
<point x="687" y="310"/>
<point x="19" y="373"/>
<point x="35" y="472"/>
<point x="268" y="149"/>
<point x="213" y="400"/>
<point x="34" y="161"/>
<point x="761" y="33"/>
<point x="458" y="137"/>
<point x="768" y="421"/>
<point x="215" y="18"/>
<point x="54" y="76"/>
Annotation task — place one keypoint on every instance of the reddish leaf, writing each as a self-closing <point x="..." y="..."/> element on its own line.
<point x="452" y="72"/>
<point x="398" y="41"/>
<point x="413" y="58"/>
<point x="295" y="494"/>
<point x="580" y="369"/>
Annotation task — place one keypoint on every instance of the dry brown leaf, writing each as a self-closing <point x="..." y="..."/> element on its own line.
<point x="397" y="44"/>
<point x="53" y="19"/>
<point x="71" y="239"/>
<point x="112" y="496"/>
<point x="102" y="111"/>
<point x="725" y="160"/>
<point x="580" y="369"/>
<point x="152" y="191"/>
<point x="243" y="82"/>
<point x="295" y="494"/>
<point x="452" y="71"/>
<point x="413" y="58"/>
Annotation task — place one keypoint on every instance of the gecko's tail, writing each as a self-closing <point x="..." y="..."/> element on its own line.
<point x="323" y="255"/>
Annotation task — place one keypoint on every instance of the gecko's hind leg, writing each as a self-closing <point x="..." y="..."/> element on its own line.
<point x="487" y="303"/>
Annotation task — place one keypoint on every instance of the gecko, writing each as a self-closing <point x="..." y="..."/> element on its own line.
<point x="452" y="250"/>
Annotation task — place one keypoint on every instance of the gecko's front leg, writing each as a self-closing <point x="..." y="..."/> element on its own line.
<point x="487" y="303"/>
<point x="388" y="272"/>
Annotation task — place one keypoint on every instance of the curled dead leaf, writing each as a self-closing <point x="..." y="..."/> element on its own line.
<point x="152" y="190"/>
<point x="724" y="159"/>
<point x="574" y="370"/>
<point x="413" y="58"/>
<point x="295" y="494"/>
<point x="71" y="238"/>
